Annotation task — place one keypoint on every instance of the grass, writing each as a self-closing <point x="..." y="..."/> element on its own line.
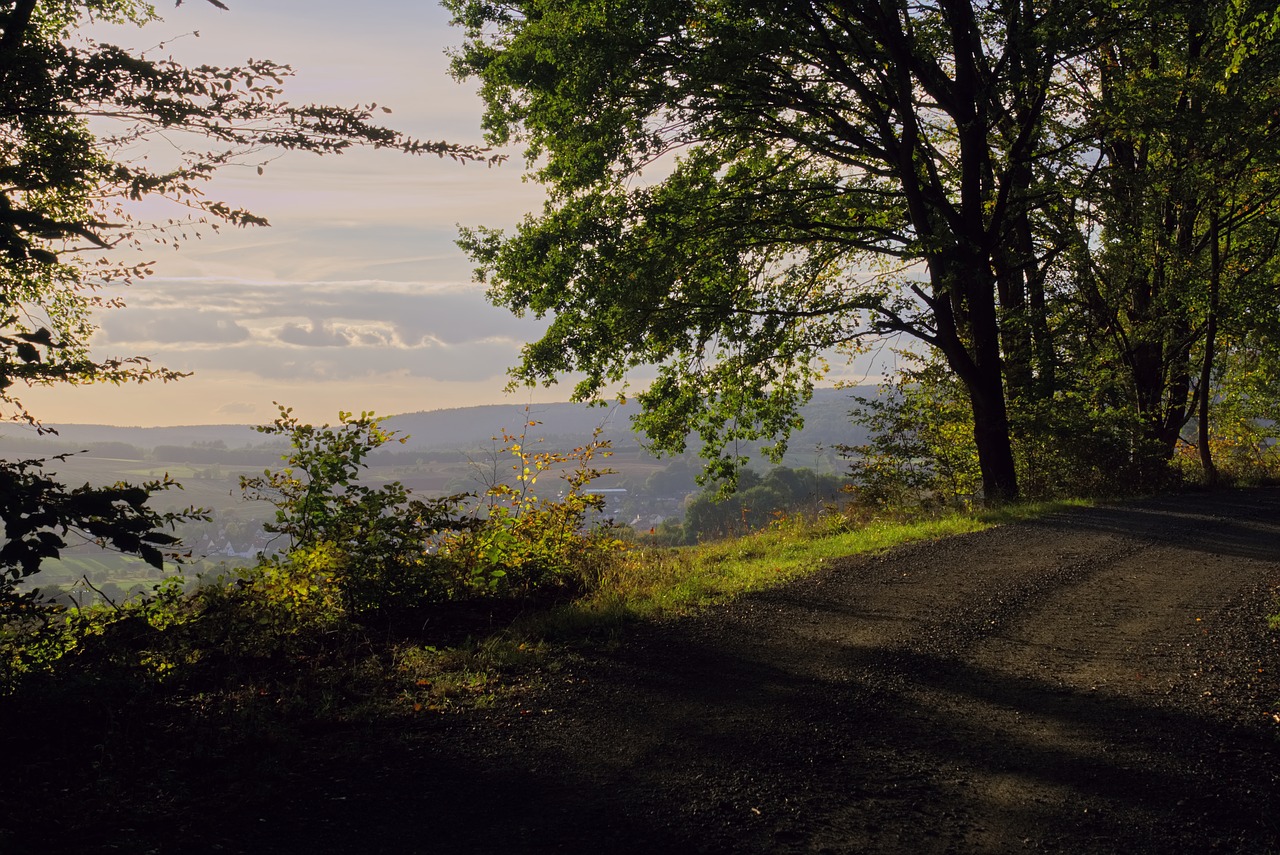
<point x="474" y="675"/>
<point x="654" y="583"/>
<point x="648" y="583"/>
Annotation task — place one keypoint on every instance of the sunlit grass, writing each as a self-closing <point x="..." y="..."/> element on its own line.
<point x="674" y="581"/>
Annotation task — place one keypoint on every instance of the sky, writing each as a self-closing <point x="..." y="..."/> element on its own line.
<point x="356" y="297"/>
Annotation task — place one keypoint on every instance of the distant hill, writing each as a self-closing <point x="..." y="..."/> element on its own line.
<point x="826" y="422"/>
<point x="461" y="429"/>
<point x="233" y="436"/>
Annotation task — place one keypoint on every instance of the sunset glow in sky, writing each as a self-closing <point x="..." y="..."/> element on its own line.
<point x="356" y="297"/>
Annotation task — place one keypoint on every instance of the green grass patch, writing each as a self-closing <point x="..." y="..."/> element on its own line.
<point x="674" y="581"/>
<point x="477" y="674"/>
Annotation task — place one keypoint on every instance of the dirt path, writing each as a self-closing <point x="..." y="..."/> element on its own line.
<point x="1098" y="681"/>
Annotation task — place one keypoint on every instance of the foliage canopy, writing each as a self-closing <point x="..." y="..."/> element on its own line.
<point x="1050" y="195"/>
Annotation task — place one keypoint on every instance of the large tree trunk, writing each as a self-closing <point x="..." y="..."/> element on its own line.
<point x="973" y="352"/>
<point x="987" y="392"/>
<point x="991" y="435"/>
<point x="961" y="210"/>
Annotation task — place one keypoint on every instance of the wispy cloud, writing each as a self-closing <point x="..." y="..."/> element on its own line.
<point x="201" y="326"/>
<point x="319" y="331"/>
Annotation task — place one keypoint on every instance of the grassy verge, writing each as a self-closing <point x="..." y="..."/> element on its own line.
<point x="651" y="583"/>
<point x="654" y="583"/>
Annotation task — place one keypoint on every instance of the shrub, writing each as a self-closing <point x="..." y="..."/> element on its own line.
<point x="356" y="554"/>
<point x="374" y="545"/>
<point x="921" y="447"/>
<point x="525" y="543"/>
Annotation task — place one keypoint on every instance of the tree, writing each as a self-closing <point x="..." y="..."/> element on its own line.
<point x="1177" y="230"/>
<point x="39" y="514"/>
<point x="65" y="185"/>
<point x="759" y="501"/>
<point x="815" y="154"/>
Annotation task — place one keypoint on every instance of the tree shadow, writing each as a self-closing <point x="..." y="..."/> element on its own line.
<point x="1236" y="523"/>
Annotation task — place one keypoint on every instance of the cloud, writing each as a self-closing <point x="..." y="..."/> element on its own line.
<point x="320" y="334"/>
<point x="317" y="313"/>
<point x="236" y="408"/>
<point x="358" y="285"/>
<point x="200" y="326"/>
<point x="319" y="331"/>
<point x="373" y="338"/>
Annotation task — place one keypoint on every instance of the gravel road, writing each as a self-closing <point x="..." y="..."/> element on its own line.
<point x="1097" y="681"/>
